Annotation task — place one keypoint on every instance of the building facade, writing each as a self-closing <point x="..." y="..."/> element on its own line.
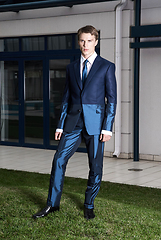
<point x="35" y="47"/>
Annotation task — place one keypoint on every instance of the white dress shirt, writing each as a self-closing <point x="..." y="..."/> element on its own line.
<point x="89" y="65"/>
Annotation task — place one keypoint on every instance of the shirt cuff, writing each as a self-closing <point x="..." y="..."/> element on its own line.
<point x="102" y="132"/>
<point x="106" y="132"/>
<point x="59" y="130"/>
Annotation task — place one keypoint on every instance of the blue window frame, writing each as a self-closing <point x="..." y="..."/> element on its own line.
<point x="35" y="68"/>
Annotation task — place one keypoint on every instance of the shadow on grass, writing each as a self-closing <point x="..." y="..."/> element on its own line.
<point x="33" y="197"/>
<point x="75" y="199"/>
<point x="33" y="186"/>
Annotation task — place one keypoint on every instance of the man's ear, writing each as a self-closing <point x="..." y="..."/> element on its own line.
<point x="96" y="43"/>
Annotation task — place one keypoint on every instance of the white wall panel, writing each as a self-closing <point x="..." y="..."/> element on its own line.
<point x="151" y="16"/>
<point x="125" y="117"/>
<point x="126" y="88"/>
<point x="126" y="142"/>
<point x="150" y="102"/>
<point x="150" y="3"/>
<point x="56" y="25"/>
<point x="126" y="54"/>
<point x="127" y="21"/>
<point x="107" y="49"/>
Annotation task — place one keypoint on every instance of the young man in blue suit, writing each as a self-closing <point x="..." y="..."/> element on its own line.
<point x="88" y="111"/>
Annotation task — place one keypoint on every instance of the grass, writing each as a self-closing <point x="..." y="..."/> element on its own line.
<point x="122" y="211"/>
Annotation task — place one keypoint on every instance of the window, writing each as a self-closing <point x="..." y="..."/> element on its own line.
<point x="9" y="45"/>
<point x="33" y="44"/>
<point x="60" y="42"/>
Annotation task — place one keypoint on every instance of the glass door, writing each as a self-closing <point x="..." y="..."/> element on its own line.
<point x="33" y="101"/>
<point x="9" y="101"/>
<point x="31" y="92"/>
<point x="30" y="100"/>
<point x="57" y="77"/>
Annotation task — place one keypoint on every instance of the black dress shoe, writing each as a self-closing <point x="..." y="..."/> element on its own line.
<point x="88" y="213"/>
<point x="45" y="212"/>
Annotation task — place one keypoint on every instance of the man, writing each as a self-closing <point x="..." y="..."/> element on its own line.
<point x="84" y="114"/>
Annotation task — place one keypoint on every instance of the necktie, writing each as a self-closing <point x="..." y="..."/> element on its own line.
<point x="84" y="73"/>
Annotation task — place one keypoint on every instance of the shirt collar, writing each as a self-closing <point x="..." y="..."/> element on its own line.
<point x="90" y="59"/>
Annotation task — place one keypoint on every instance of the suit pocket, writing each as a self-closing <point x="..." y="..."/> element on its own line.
<point x="100" y="109"/>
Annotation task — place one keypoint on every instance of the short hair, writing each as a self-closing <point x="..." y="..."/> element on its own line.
<point x="88" y="29"/>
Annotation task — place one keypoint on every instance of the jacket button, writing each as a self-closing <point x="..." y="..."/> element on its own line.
<point x="79" y="110"/>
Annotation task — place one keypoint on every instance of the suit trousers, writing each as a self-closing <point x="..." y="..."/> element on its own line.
<point x="67" y="146"/>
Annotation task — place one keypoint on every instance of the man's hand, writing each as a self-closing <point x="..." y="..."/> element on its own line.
<point x="58" y="135"/>
<point x="105" y="137"/>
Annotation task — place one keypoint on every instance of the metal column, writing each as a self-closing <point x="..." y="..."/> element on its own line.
<point x="136" y="82"/>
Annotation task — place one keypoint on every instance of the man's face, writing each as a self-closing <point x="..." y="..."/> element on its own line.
<point x="87" y="44"/>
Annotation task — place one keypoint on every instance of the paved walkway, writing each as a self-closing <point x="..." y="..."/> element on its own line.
<point x="147" y="173"/>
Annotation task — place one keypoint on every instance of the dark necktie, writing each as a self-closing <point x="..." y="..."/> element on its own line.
<point x="84" y="73"/>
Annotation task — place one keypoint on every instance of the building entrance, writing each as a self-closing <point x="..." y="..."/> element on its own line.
<point x="32" y="80"/>
<point x="31" y="98"/>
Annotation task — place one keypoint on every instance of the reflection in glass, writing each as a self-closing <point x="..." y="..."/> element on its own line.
<point x="9" y="101"/>
<point x="57" y="83"/>
<point x="33" y="44"/>
<point x="60" y="42"/>
<point x="33" y="102"/>
<point x="9" y="45"/>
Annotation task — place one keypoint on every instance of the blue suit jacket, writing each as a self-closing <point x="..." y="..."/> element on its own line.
<point x="90" y="99"/>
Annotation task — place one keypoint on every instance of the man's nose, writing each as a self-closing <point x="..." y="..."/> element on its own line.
<point x="85" y="43"/>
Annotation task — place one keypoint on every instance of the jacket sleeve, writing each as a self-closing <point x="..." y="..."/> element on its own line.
<point x="111" y="95"/>
<point x="65" y="103"/>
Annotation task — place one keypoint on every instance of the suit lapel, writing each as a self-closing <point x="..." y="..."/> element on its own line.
<point x="77" y="73"/>
<point x="93" y="70"/>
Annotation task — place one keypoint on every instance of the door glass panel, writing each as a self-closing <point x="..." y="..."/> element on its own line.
<point x="33" y="96"/>
<point x="9" y="101"/>
<point x="57" y="83"/>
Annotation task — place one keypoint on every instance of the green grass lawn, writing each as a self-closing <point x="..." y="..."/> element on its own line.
<point x="122" y="211"/>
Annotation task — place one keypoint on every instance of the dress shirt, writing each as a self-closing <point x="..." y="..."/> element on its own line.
<point x="89" y="65"/>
